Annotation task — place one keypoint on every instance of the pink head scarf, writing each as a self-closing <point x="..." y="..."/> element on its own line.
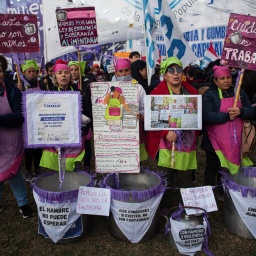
<point x="119" y="90"/>
<point x="58" y="67"/>
<point x="221" y="71"/>
<point x="122" y="63"/>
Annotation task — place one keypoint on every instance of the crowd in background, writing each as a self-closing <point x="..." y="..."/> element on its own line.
<point x="216" y="83"/>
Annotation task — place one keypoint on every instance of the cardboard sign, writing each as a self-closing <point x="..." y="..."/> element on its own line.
<point x="240" y="43"/>
<point x="116" y="127"/>
<point x="93" y="201"/>
<point x="199" y="197"/>
<point x="18" y="33"/>
<point x="52" y="120"/>
<point x="77" y="26"/>
<point x="173" y="112"/>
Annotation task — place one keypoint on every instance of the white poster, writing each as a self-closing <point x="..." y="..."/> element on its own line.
<point x="52" y="120"/>
<point x="173" y="112"/>
<point x="116" y="127"/>
<point x="202" y="197"/>
<point x="93" y="201"/>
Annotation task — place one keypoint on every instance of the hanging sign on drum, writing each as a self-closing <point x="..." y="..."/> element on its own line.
<point x="202" y="197"/>
<point x="93" y="201"/>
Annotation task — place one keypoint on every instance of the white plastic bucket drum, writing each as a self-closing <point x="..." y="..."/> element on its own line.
<point x="135" y="198"/>
<point x="56" y="205"/>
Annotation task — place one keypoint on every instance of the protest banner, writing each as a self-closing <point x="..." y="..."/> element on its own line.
<point x="18" y="33"/>
<point x="116" y="128"/>
<point x="77" y="26"/>
<point x="239" y="47"/>
<point x="173" y="112"/>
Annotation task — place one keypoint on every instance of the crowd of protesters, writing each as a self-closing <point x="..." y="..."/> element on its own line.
<point x="215" y="83"/>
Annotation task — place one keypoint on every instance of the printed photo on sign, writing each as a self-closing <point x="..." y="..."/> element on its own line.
<point x="173" y="112"/>
<point x="52" y="121"/>
<point x="116" y="127"/>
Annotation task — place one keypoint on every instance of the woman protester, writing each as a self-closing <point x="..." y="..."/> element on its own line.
<point x="139" y="73"/>
<point x="62" y="81"/>
<point x="77" y="68"/>
<point x="11" y="142"/>
<point x="223" y="123"/>
<point x="123" y="74"/>
<point x="159" y="143"/>
<point x="31" y="82"/>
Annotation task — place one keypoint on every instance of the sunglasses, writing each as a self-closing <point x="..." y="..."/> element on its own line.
<point x="174" y="70"/>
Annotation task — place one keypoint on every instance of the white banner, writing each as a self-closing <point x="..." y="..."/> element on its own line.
<point x="56" y="218"/>
<point x="134" y="219"/>
<point x="188" y="238"/>
<point x="246" y="208"/>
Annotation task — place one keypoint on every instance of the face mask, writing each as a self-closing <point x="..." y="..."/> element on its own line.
<point x="124" y="78"/>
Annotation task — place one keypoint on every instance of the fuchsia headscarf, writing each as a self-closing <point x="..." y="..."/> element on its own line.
<point x="122" y="63"/>
<point x="58" y="67"/>
<point x="221" y="71"/>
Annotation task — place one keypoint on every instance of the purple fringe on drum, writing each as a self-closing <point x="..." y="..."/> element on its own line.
<point x="249" y="172"/>
<point x="122" y="195"/>
<point x="58" y="197"/>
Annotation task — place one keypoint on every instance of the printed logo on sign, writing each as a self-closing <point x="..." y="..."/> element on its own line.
<point x="52" y="105"/>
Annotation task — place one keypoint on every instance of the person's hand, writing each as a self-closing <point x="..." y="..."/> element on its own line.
<point x="171" y="136"/>
<point x="234" y="112"/>
<point x="45" y="81"/>
<point x="20" y="86"/>
<point x="139" y="116"/>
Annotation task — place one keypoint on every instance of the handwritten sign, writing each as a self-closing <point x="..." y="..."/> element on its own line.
<point x="173" y="112"/>
<point x="240" y="43"/>
<point x="93" y="201"/>
<point x="77" y="26"/>
<point x="52" y="121"/>
<point x="199" y="197"/>
<point x="18" y="33"/>
<point x="116" y="128"/>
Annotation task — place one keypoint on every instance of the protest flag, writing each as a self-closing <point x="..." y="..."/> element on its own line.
<point x="209" y="56"/>
<point x="175" y="43"/>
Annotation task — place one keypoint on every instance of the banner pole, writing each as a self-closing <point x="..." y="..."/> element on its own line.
<point x="80" y="71"/>
<point x="239" y="87"/>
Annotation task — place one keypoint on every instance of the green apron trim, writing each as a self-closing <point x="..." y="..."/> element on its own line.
<point x="183" y="160"/>
<point x="233" y="168"/>
<point x="143" y="152"/>
<point x="50" y="160"/>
